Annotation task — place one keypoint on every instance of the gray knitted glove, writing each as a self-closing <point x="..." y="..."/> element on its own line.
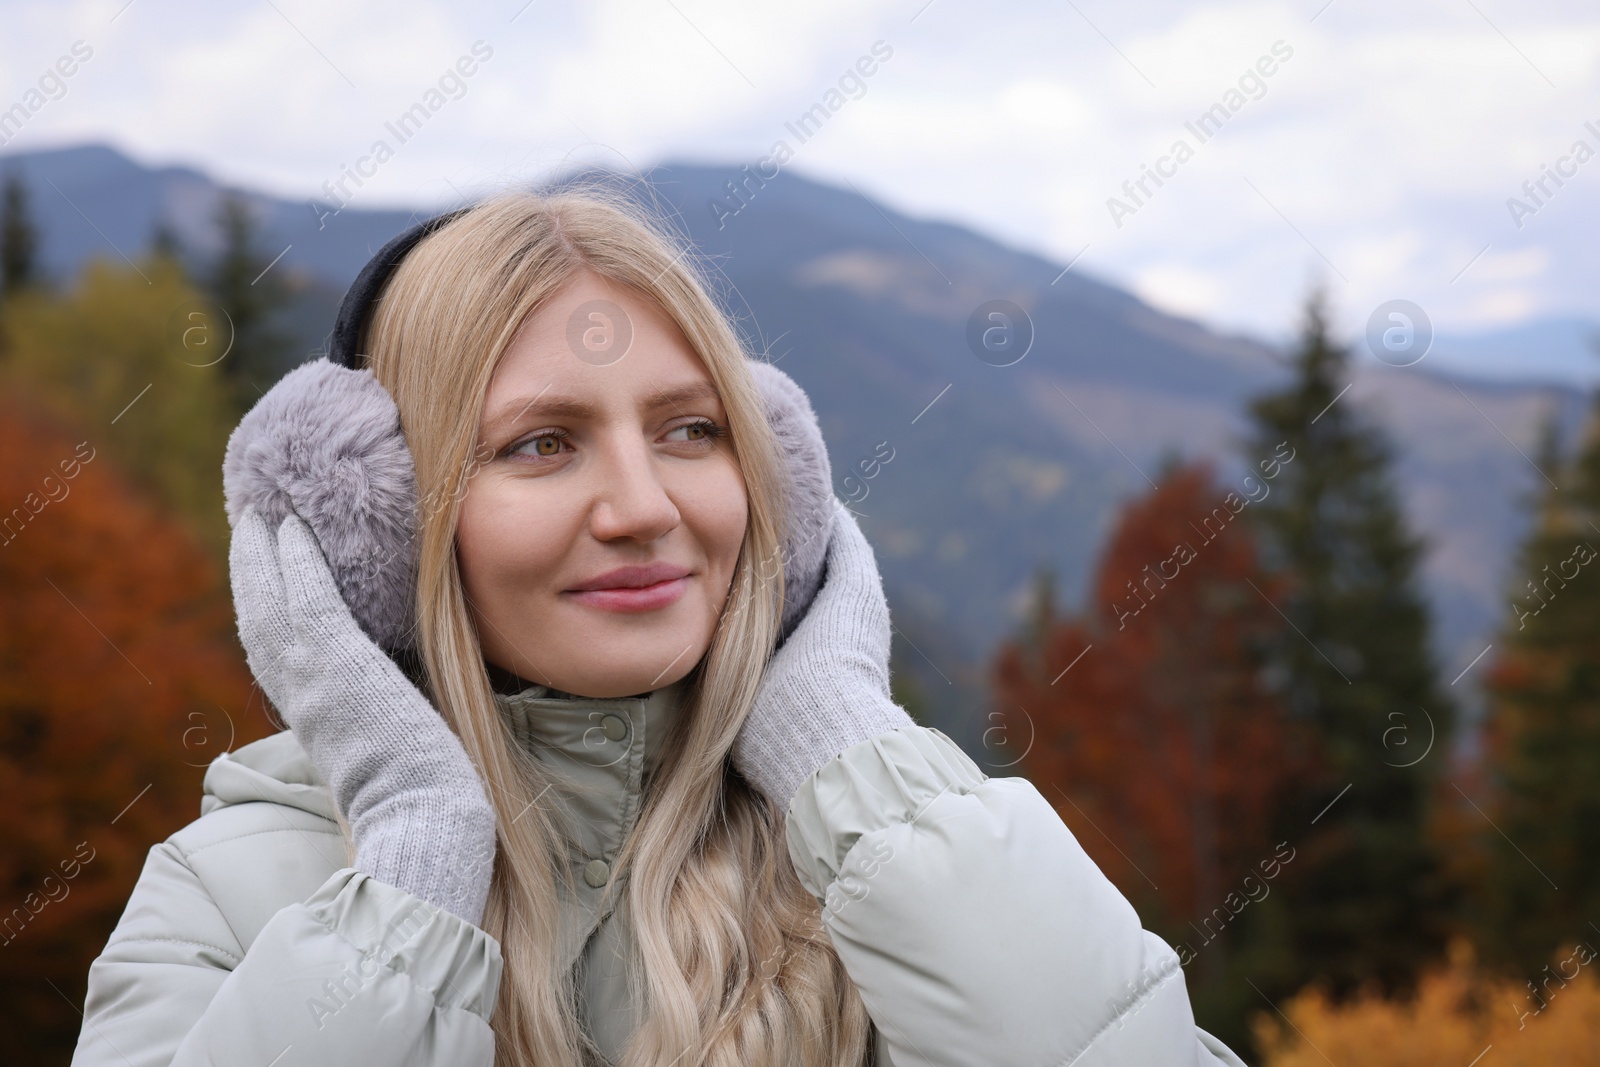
<point x="827" y="686"/>
<point x="416" y="806"/>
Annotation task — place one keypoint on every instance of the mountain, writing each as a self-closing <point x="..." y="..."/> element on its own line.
<point x="1554" y="349"/>
<point x="995" y="470"/>
<point x="93" y="200"/>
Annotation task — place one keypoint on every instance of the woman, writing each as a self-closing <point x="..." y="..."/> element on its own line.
<point x="549" y="796"/>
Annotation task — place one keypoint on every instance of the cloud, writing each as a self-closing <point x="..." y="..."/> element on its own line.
<point x="1383" y="151"/>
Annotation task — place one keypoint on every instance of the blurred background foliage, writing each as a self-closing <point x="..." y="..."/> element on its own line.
<point x="1460" y="1014"/>
<point x="120" y="675"/>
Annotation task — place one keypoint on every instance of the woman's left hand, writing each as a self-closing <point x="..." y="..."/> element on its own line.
<point x="827" y="687"/>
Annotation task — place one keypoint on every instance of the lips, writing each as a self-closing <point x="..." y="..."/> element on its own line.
<point x="637" y="576"/>
<point x="633" y="589"/>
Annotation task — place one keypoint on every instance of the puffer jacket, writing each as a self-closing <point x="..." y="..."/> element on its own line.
<point x="976" y="928"/>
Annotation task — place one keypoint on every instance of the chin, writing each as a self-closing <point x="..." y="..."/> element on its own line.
<point x="605" y="682"/>
<point x="609" y="663"/>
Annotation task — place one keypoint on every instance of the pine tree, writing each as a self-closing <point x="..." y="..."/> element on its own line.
<point x="1542" y="884"/>
<point x="1368" y="899"/>
<point x="165" y="243"/>
<point x="252" y="292"/>
<point x="19" y="239"/>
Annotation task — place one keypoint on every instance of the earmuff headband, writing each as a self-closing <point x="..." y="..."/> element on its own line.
<point x="344" y="348"/>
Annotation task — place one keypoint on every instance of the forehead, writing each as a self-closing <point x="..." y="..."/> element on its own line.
<point x="595" y="347"/>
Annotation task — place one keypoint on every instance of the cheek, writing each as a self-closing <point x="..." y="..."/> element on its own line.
<point x="505" y="542"/>
<point x="717" y="512"/>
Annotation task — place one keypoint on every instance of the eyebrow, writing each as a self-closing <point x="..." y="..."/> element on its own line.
<point x="559" y="406"/>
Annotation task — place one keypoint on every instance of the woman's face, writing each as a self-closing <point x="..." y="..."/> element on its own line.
<point x="595" y="458"/>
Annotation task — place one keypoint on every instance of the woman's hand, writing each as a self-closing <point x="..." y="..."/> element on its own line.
<point x="827" y="687"/>
<point x="416" y="806"/>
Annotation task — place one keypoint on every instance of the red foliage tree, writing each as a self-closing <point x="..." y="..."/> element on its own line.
<point x="120" y="679"/>
<point x="1154" y="732"/>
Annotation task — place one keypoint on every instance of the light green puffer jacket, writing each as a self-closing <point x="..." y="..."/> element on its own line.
<point x="976" y="928"/>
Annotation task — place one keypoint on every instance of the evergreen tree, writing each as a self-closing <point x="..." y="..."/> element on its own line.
<point x="1542" y="882"/>
<point x="165" y="243"/>
<point x="1042" y="618"/>
<point x="19" y="239"/>
<point x="252" y="295"/>
<point x="1368" y="900"/>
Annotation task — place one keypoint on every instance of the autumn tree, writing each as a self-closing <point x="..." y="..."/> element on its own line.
<point x="120" y="679"/>
<point x="1459" y="1013"/>
<point x="1147" y="721"/>
<point x="1368" y="897"/>
<point x="119" y="354"/>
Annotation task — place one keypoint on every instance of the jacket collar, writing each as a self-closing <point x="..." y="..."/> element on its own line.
<point x="600" y="753"/>
<point x="546" y="721"/>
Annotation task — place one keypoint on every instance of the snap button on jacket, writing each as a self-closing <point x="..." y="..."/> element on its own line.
<point x="976" y="928"/>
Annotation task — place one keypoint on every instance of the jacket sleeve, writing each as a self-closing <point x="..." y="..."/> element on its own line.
<point x="975" y="926"/>
<point x="360" y="972"/>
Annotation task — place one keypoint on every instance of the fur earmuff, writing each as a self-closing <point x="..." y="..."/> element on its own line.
<point x="808" y="481"/>
<point x="325" y="443"/>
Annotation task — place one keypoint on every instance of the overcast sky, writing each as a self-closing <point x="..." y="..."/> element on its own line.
<point x="1380" y="153"/>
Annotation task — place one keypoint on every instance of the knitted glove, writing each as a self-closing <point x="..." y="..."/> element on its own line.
<point x="416" y="806"/>
<point x="827" y="686"/>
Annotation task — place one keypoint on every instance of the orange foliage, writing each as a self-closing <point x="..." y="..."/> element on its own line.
<point x="120" y="678"/>
<point x="1161" y="747"/>
<point x="1459" y="1016"/>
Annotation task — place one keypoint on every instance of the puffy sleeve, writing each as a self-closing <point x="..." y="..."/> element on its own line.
<point x="360" y="972"/>
<point x="975" y="926"/>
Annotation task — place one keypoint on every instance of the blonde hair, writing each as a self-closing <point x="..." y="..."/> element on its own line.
<point x="733" y="967"/>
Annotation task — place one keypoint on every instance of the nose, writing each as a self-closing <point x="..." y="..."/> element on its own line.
<point x="630" y="500"/>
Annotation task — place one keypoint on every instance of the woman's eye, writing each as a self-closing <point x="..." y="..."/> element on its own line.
<point x="544" y="444"/>
<point x="701" y="431"/>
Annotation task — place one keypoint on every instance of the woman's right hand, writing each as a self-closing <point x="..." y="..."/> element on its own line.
<point x="417" y="808"/>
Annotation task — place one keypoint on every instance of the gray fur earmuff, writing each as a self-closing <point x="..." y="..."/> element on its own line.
<point x="325" y="443"/>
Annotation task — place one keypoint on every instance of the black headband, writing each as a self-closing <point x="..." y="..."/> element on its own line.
<point x="344" y="346"/>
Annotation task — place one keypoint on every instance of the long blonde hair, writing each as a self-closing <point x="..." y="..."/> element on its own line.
<point x="733" y="965"/>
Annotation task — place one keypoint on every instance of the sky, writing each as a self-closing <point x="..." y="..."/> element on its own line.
<point x="1390" y="151"/>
